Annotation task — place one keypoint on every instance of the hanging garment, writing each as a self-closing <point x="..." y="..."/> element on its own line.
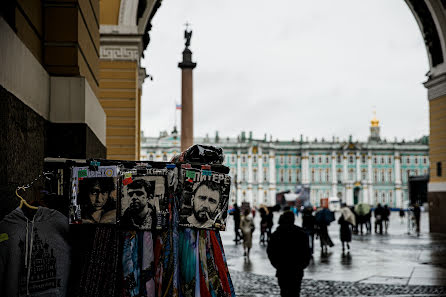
<point x="34" y="254"/>
<point x="95" y="259"/>
<point x="130" y="265"/>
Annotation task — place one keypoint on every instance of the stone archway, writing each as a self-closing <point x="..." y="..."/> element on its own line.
<point x="431" y="18"/>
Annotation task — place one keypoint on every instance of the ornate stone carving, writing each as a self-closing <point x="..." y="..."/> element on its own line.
<point x="113" y="52"/>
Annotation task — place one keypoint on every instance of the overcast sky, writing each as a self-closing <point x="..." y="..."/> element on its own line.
<point x="286" y="67"/>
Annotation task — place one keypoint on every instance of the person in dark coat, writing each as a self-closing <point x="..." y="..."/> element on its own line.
<point x="269" y="222"/>
<point x="417" y="215"/>
<point x="289" y="252"/>
<point x="379" y="213"/>
<point x="323" y="219"/>
<point x="236" y="214"/>
<point x="386" y="215"/>
<point x="345" y="233"/>
<point x="308" y="223"/>
<point x="263" y="226"/>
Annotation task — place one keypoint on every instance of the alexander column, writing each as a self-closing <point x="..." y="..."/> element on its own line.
<point x="187" y="107"/>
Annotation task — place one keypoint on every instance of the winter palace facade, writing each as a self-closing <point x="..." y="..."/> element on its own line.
<point x="375" y="171"/>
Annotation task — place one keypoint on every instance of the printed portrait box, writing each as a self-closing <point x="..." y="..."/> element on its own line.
<point x="205" y="199"/>
<point x="144" y="202"/>
<point x="94" y="195"/>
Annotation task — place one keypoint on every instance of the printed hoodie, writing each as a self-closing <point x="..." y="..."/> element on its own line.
<point x="34" y="254"/>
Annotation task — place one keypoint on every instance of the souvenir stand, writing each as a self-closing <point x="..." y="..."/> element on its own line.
<point x="121" y="228"/>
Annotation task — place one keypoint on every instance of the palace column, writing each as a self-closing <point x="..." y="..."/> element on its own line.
<point x="398" y="193"/>
<point x="187" y="108"/>
<point x="334" y="181"/>
<point x="272" y="176"/>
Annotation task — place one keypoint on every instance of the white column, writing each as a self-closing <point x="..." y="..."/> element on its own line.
<point x="358" y="167"/>
<point x="334" y="178"/>
<point x="272" y="176"/>
<point x="305" y="168"/>
<point x="260" y="167"/>
<point x="397" y="169"/>
<point x="349" y="193"/>
<point x="250" y="178"/>
<point x="345" y="173"/>
<point x="239" y="177"/>
<point x="370" y="178"/>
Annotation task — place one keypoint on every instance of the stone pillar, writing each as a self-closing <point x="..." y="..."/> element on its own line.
<point x="187" y="108"/>
<point x="436" y="86"/>
<point x="370" y="178"/>
<point x="272" y="176"/>
<point x="358" y="167"/>
<point x="305" y="168"/>
<point x="250" y="178"/>
<point x="239" y="176"/>
<point x="334" y="177"/>
<point x="398" y="193"/>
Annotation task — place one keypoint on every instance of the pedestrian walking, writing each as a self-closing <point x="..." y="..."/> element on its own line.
<point x="263" y="225"/>
<point x="308" y="224"/>
<point x="402" y="215"/>
<point x="247" y="227"/>
<point x="379" y="210"/>
<point x="346" y="220"/>
<point x="386" y="217"/>
<point x="236" y="214"/>
<point x="323" y="219"/>
<point x="417" y="215"/>
<point x="289" y="252"/>
<point x="362" y="210"/>
<point x="368" y="221"/>
<point x="269" y="222"/>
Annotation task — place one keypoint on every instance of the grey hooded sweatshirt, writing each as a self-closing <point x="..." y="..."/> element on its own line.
<point x="34" y="254"/>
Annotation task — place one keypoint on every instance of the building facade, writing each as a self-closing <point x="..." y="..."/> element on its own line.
<point x="376" y="171"/>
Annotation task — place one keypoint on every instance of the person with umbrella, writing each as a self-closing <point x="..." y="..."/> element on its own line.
<point x="323" y="218"/>
<point x="362" y="210"/>
<point x="347" y="218"/>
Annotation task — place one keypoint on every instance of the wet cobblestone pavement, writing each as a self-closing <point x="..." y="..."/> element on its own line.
<point x="249" y="284"/>
<point x="394" y="264"/>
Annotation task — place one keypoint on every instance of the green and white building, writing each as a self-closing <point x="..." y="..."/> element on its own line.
<point x="375" y="171"/>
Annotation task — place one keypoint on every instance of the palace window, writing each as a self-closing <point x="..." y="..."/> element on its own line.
<point x="265" y="159"/>
<point x="375" y="160"/>
<point x="312" y="175"/>
<point x="165" y="158"/>
<point x="382" y="160"/>
<point x="243" y="174"/>
<point x="281" y="160"/>
<point x="416" y="159"/>
<point x="424" y="160"/>
<point x="390" y="176"/>
<point x="312" y="160"/>
<point x="327" y="160"/>
<point x="321" y="175"/>
<point x="254" y="175"/>
<point x="233" y="158"/>
<point x="290" y="175"/>
<point x="243" y="159"/>
<point x="339" y="175"/>
<point x="319" y="160"/>
<point x="383" y="176"/>
<point x="350" y="174"/>
<point x="339" y="159"/>
<point x="297" y="176"/>
<point x="254" y="159"/>
<point x="281" y="175"/>
<point x="375" y="175"/>
<point x="150" y="157"/>
<point x="364" y="174"/>
<point x="390" y="160"/>
<point x="265" y="174"/>
<point x="290" y="160"/>
<point x="327" y="174"/>
<point x="363" y="159"/>
<point x="350" y="159"/>
<point x="297" y="160"/>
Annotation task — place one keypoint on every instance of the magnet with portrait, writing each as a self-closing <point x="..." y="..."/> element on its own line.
<point x="204" y="201"/>
<point x="94" y="195"/>
<point x="144" y="201"/>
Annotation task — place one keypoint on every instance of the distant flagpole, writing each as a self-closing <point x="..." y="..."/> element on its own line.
<point x="177" y="107"/>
